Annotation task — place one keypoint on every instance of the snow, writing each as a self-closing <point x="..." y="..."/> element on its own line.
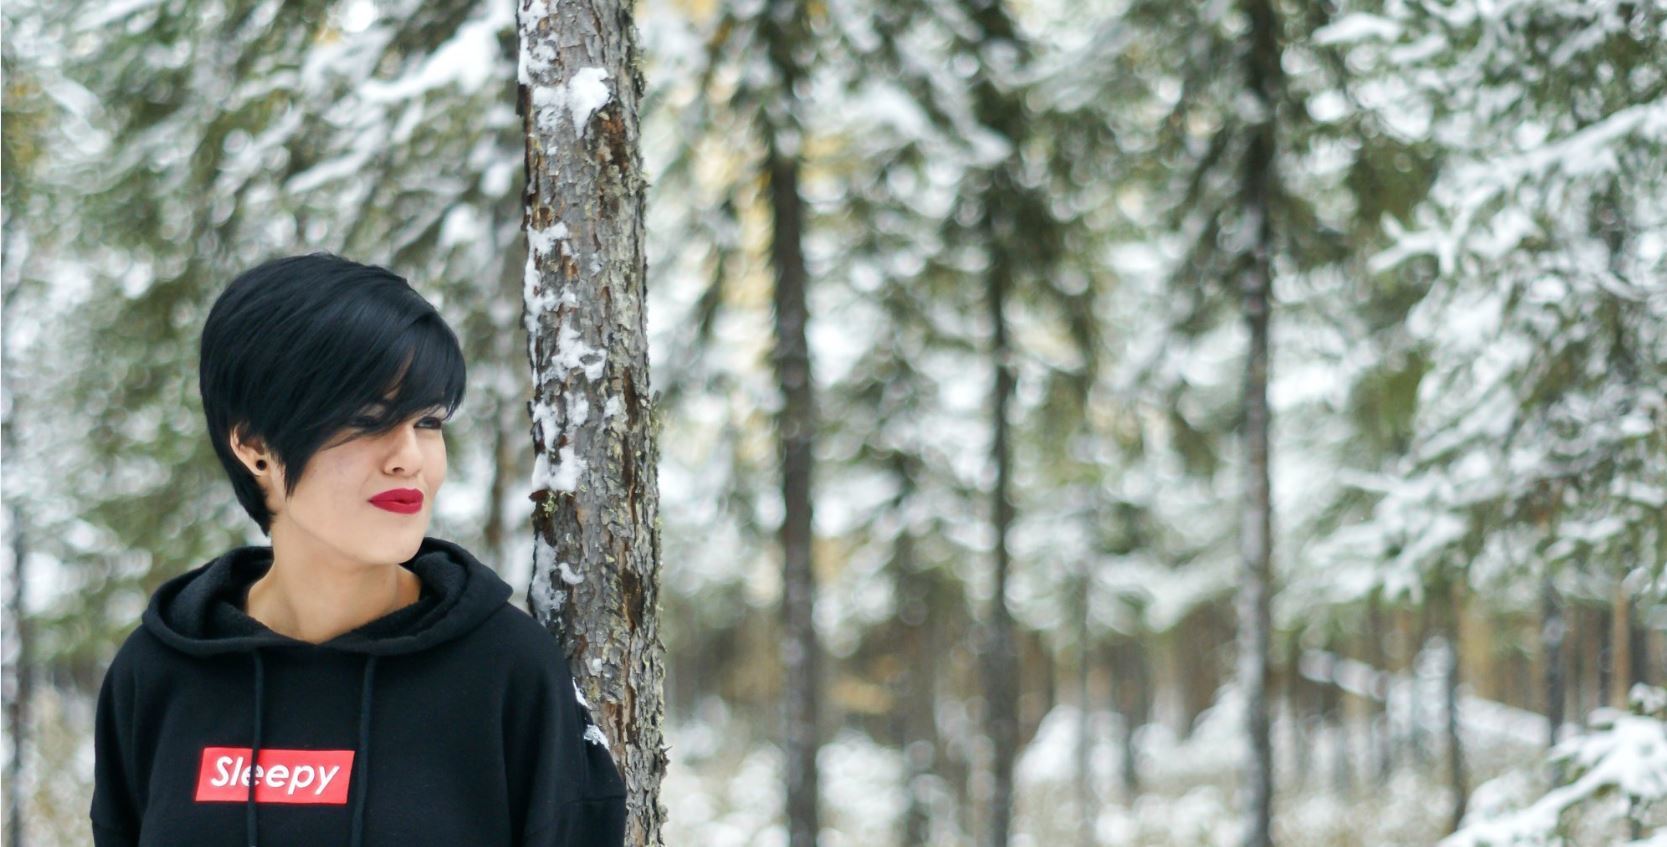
<point x="579" y="99"/>
<point x="1355" y="27"/>
<point x="1622" y="753"/>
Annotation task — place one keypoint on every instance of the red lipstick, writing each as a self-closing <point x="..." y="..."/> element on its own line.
<point x="406" y="501"/>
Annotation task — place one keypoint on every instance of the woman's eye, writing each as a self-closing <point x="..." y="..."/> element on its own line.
<point x="436" y="423"/>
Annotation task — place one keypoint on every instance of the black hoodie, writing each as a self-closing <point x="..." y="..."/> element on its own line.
<point x="452" y="721"/>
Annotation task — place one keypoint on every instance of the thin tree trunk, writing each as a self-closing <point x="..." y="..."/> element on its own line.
<point x="19" y="665"/>
<point x="1620" y="645"/>
<point x="1331" y="714"/>
<point x="915" y="692"/>
<point x="1086" y="806"/>
<point x="1131" y="693"/>
<point x="18" y="671"/>
<point x="796" y="426"/>
<point x="1417" y="739"/>
<point x="1448" y="601"/>
<point x="596" y="540"/>
<point x="1298" y="693"/>
<point x="507" y="426"/>
<point x="1262" y="84"/>
<point x="1378" y="706"/>
<point x="1578" y="636"/>
<point x="1551" y="640"/>
<point x="1001" y="659"/>
<point x="1638" y="647"/>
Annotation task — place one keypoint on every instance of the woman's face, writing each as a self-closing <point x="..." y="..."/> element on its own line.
<point x="332" y="507"/>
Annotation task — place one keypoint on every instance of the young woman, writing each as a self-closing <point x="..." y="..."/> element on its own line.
<point x="356" y="682"/>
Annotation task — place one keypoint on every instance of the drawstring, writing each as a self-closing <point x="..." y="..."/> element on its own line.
<point x="361" y="759"/>
<point x="252" y="831"/>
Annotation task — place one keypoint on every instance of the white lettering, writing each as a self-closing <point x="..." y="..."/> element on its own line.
<point x="328" y="775"/>
<point x="276" y="776"/>
<point x="303" y="777"/>
<point x="222" y="777"/>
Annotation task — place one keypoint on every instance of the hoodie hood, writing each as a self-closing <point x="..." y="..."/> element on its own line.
<point x="200" y="613"/>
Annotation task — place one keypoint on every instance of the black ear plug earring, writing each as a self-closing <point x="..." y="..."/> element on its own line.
<point x="260" y="463"/>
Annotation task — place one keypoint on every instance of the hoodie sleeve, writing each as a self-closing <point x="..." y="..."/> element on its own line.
<point x="575" y="795"/>
<point x="114" y="810"/>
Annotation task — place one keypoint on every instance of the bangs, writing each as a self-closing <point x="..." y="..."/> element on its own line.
<point x="421" y="371"/>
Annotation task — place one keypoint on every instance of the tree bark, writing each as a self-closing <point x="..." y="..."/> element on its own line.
<point x="1084" y="777"/>
<point x="18" y="671"/>
<point x="1551" y="641"/>
<point x="914" y="689"/>
<point x="1000" y="651"/>
<point x="1447" y="600"/>
<point x="1378" y="707"/>
<point x="796" y="428"/>
<point x="1262" y="84"/>
<point x="1131" y="693"/>
<point x="596" y="542"/>
<point x="1620" y="644"/>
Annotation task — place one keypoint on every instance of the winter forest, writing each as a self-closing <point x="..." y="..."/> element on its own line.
<point x="1072" y="422"/>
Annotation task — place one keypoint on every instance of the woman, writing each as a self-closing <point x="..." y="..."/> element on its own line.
<point x="371" y="683"/>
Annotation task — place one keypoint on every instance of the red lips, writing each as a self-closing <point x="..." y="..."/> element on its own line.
<point x="403" y="500"/>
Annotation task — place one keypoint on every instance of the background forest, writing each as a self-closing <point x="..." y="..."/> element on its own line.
<point x="1048" y="250"/>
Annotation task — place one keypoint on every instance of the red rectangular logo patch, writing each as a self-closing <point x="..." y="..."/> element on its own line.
<point x="281" y="776"/>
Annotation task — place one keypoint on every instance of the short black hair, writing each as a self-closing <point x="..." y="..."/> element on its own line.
<point x="300" y="347"/>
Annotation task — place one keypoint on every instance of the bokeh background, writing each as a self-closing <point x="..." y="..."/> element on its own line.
<point x="1468" y="219"/>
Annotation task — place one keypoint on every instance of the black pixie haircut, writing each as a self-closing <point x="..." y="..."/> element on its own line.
<point x="300" y="348"/>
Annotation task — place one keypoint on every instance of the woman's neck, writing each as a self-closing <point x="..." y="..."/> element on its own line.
<point x="313" y="598"/>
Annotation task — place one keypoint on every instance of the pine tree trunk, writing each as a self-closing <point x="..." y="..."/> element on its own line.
<point x="19" y="665"/>
<point x="1131" y="692"/>
<point x="1378" y="705"/>
<point x="1605" y="657"/>
<point x="1620" y="645"/>
<point x="1447" y="600"/>
<point x="596" y="542"/>
<point x="18" y="670"/>
<point x="1000" y="652"/>
<point x="796" y="428"/>
<point x="1331" y="712"/>
<point x="1551" y="640"/>
<point x="913" y="686"/>
<point x="1084" y="777"/>
<point x="1262" y="84"/>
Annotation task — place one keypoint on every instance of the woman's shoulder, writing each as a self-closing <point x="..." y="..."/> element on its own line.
<point x="138" y="650"/>
<point x="512" y="632"/>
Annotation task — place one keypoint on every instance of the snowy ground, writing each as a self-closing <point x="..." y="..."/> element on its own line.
<point x="723" y="788"/>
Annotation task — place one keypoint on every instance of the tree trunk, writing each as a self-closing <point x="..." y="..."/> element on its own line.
<point x="1262" y="84"/>
<point x="1447" y="600"/>
<point x="1131" y="692"/>
<point x="1297" y="691"/>
<point x="596" y="541"/>
<point x="1001" y="659"/>
<point x="1378" y="706"/>
<point x="1620" y="645"/>
<point x="1417" y="739"/>
<point x="1331" y="713"/>
<point x="19" y="665"/>
<point x="18" y="670"/>
<point x="913" y="686"/>
<point x="1084" y="776"/>
<point x="1551" y="641"/>
<point x="796" y="426"/>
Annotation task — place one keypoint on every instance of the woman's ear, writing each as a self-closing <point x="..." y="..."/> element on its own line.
<point x="252" y="452"/>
